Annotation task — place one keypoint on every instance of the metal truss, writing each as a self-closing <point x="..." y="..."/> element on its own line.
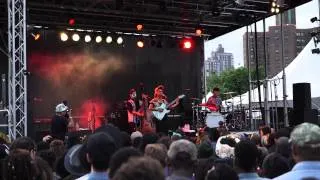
<point x="17" y="68"/>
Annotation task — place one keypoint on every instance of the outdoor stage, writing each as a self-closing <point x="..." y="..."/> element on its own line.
<point x="43" y="70"/>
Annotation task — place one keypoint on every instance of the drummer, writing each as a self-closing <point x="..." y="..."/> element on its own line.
<point x="215" y="100"/>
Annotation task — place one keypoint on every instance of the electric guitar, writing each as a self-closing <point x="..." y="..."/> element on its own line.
<point x="160" y="115"/>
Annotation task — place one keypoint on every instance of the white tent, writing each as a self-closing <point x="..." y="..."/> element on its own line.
<point x="303" y="69"/>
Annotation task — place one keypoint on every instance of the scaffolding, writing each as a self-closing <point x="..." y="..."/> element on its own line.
<point x="17" y="87"/>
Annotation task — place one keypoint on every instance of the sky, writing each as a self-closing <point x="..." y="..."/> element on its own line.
<point x="233" y="41"/>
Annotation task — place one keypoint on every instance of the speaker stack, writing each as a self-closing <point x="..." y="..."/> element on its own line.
<point x="302" y="108"/>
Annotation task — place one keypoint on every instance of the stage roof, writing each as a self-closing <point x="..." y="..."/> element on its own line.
<point x="160" y="17"/>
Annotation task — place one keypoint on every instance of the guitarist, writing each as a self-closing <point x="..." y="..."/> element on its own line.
<point x="159" y="99"/>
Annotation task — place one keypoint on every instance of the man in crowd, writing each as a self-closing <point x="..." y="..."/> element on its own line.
<point x="305" y="145"/>
<point x="182" y="156"/>
<point x="100" y="147"/>
<point x="245" y="162"/>
<point x="59" y="123"/>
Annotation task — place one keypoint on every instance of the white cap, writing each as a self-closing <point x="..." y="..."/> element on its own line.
<point x="135" y="135"/>
<point x="61" y="108"/>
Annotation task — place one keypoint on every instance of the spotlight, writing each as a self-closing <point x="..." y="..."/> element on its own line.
<point x="274" y="6"/>
<point x="120" y="40"/>
<point x="98" y="39"/>
<point x="314" y="19"/>
<point x="109" y="39"/>
<point x="139" y="27"/>
<point x="75" y="37"/>
<point x="64" y="36"/>
<point x="140" y="44"/>
<point x="72" y="22"/>
<point x="36" y="36"/>
<point x="198" y="32"/>
<point x="315" y="51"/>
<point x="187" y="44"/>
<point x="87" y="38"/>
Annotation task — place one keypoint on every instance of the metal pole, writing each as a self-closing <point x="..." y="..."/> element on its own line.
<point x="249" y="78"/>
<point x="257" y="68"/>
<point x="266" y="91"/>
<point x="284" y="83"/>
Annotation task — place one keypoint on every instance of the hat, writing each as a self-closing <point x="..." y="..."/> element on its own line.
<point x="72" y="161"/>
<point x="182" y="145"/>
<point x="305" y="134"/>
<point x="61" y="108"/>
<point x="114" y="132"/>
<point x="135" y="135"/>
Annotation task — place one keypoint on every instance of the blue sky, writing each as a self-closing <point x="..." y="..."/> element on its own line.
<point x="233" y="41"/>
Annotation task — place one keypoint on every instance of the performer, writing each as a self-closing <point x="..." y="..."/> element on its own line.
<point x="59" y="123"/>
<point x="134" y="116"/>
<point x="158" y="99"/>
<point x="73" y="124"/>
<point x="214" y="102"/>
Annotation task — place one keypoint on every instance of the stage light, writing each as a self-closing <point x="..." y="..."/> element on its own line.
<point x="140" y="44"/>
<point x="109" y="39"/>
<point x="314" y="19"/>
<point x="139" y="27"/>
<point x="87" y="38"/>
<point x="275" y="6"/>
<point x="120" y="40"/>
<point x="198" y="32"/>
<point x="72" y="22"/>
<point x="187" y="44"/>
<point x="75" y="37"/>
<point x="64" y="36"/>
<point x="36" y="36"/>
<point x="98" y="39"/>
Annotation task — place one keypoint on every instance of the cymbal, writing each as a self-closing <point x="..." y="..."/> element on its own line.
<point x="227" y="93"/>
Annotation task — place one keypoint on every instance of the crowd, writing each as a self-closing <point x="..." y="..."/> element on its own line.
<point x="214" y="154"/>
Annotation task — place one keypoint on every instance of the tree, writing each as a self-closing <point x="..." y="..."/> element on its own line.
<point x="235" y="80"/>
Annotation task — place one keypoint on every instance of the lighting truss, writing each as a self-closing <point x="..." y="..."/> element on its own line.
<point x="17" y="68"/>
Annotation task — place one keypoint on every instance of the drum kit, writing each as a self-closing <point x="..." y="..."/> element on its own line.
<point x="232" y="117"/>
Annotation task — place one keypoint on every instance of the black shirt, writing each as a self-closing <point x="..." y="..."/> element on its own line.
<point x="59" y="127"/>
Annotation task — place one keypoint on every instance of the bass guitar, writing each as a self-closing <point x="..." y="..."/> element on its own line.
<point x="160" y="115"/>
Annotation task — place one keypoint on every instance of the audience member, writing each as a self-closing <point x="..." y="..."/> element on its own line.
<point x="48" y="156"/>
<point x="24" y="143"/>
<point x="245" y="162"/>
<point x="305" y="145"/>
<point x="100" y="147"/>
<point x="222" y="172"/>
<point x="165" y="140"/>
<point x="149" y="138"/>
<point x="157" y="152"/>
<point x="18" y="165"/>
<point x="275" y="165"/>
<point x="182" y="156"/>
<point x="126" y="139"/>
<point x="143" y="168"/>
<point x="137" y="143"/>
<point x="120" y="157"/>
<point x="202" y="168"/>
<point x="205" y="150"/>
<point x="57" y="147"/>
<point x="134" y="135"/>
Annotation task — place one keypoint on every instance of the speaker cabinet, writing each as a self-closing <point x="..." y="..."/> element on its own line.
<point x="301" y="96"/>
<point x="301" y="116"/>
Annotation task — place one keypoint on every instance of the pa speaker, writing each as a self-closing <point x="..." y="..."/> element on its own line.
<point x="301" y="116"/>
<point x="301" y="96"/>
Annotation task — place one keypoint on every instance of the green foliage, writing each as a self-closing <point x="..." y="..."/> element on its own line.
<point x="235" y="80"/>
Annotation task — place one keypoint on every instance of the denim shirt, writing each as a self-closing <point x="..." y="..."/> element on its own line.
<point x="305" y="169"/>
<point x="249" y="176"/>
